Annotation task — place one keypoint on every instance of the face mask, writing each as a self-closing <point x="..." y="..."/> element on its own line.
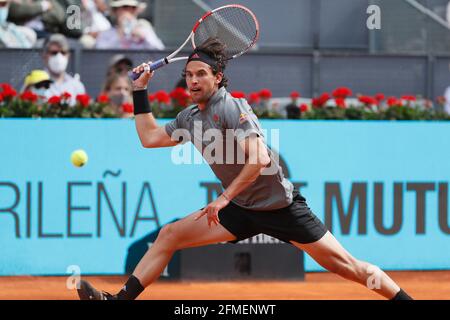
<point x="128" y="26"/>
<point x="40" y="92"/>
<point x="58" y="63"/>
<point x="4" y="14"/>
<point x="118" y="99"/>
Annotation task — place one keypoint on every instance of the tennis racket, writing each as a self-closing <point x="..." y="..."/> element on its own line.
<point x="233" y="25"/>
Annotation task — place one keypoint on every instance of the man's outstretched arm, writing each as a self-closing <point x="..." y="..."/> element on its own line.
<point x="150" y="134"/>
<point x="257" y="159"/>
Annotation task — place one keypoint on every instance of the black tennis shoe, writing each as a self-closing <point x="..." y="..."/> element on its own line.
<point x="88" y="292"/>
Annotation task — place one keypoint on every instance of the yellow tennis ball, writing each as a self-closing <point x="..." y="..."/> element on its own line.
<point x="79" y="158"/>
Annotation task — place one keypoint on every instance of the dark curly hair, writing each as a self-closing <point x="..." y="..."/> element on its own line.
<point x="216" y="50"/>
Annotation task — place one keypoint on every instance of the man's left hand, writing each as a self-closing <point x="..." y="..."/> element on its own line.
<point x="212" y="210"/>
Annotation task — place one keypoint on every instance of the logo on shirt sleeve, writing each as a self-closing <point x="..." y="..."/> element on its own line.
<point x="243" y="118"/>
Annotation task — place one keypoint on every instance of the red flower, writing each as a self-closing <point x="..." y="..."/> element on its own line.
<point x="316" y="103"/>
<point x="66" y="95"/>
<point x="103" y="98"/>
<point x="181" y="96"/>
<point x="340" y="103"/>
<point x="342" y="93"/>
<point x="238" y="94"/>
<point x="54" y="100"/>
<point x="409" y="98"/>
<point x="127" y="107"/>
<point x="5" y="85"/>
<point x="253" y="98"/>
<point x="303" y="107"/>
<point x="151" y="97"/>
<point x="265" y="94"/>
<point x="1" y="97"/>
<point x="179" y="93"/>
<point x="8" y="91"/>
<point x="29" y="96"/>
<point x="321" y="101"/>
<point x="295" y="94"/>
<point x="83" y="99"/>
<point x="368" y="101"/>
<point x="162" y="97"/>
<point x="393" y="101"/>
<point x="380" y="97"/>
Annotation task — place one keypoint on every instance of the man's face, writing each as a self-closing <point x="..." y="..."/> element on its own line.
<point x="201" y="81"/>
<point x="53" y="50"/>
<point x="120" y="86"/>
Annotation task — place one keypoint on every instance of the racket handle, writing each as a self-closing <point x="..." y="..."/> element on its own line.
<point x="155" y="65"/>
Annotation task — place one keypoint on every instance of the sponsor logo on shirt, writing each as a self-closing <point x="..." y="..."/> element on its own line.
<point x="243" y="118"/>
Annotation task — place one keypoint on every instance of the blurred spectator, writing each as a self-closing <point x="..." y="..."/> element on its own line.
<point x="94" y="21"/>
<point x="45" y="17"/>
<point x="120" y="64"/>
<point x="38" y="82"/>
<point x="12" y="35"/>
<point x="129" y="32"/>
<point x="293" y="109"/>
<point x="56" y="58"/>
<point x="447" y="101"/>
<point x="119" y="91"/>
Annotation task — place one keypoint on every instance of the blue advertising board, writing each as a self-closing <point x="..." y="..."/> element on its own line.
<point x="381" y="187"/>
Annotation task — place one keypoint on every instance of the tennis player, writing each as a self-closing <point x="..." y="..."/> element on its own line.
<point x="257" y="198"/>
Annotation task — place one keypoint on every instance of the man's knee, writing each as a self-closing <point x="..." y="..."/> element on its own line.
<point x="168" y="236"/>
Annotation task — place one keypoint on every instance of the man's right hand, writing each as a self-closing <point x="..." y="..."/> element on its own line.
<point x="141" y="82"/>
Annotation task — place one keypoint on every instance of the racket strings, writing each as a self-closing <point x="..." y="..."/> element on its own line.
<point x="233" y="26"/>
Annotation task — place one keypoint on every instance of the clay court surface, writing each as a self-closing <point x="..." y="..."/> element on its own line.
<point x="318" y="286"/>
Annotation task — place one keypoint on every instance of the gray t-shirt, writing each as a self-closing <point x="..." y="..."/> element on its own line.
<point x="215" y="132"/>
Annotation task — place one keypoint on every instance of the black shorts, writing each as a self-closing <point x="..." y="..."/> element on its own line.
<point x="293" y="223"/>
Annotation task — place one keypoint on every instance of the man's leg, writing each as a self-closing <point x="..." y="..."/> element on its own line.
<point x="330" y="254"/>
<point x="184" y="233"/>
